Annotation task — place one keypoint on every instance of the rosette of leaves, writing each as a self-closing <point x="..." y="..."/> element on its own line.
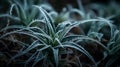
<point x="23" y="12"/>
<point x="113" y="56"/>
<point x="108" y="34"/>
<point x="48" y="43"/>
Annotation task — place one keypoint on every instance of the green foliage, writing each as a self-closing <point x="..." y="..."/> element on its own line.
<point x="49" y="41"/>
<point x="22" y="12"/>
<point x="36" y="35"/>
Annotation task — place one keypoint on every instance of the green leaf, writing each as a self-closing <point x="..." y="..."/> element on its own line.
<point x="10" y="17"/>
<point x="79" y="48"/>
<point x="49" y="21"/>
<point x="56" y="57"/>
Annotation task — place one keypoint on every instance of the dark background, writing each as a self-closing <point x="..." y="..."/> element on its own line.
<point x="58" y="4"/>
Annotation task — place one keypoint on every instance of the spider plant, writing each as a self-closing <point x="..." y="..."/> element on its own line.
<point x="23" y="12"/>
<point x="49" y="42"/>
<point x="108" y="34"/>
<point x="112" y="57"/>
<point x="114" y="46"/>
